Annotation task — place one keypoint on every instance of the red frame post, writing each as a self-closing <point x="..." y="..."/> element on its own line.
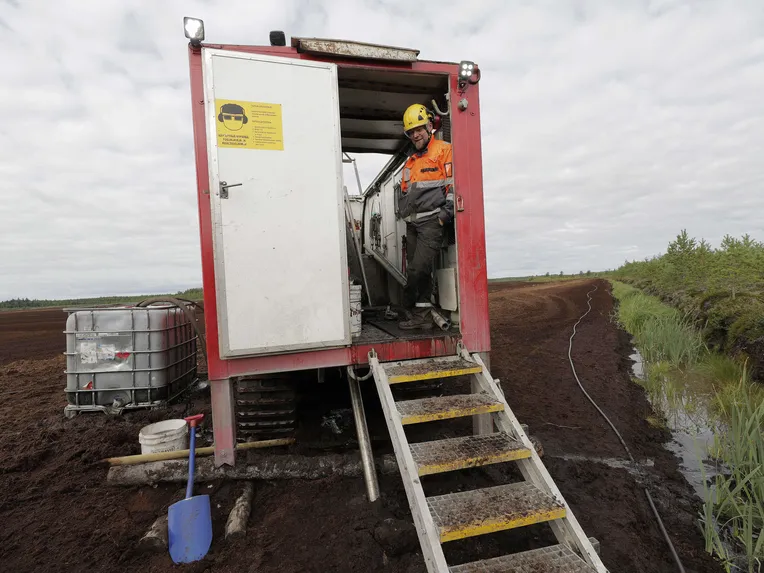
<point x="223" y="421"/>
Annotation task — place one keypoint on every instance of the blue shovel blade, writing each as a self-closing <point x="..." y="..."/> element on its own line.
<point x="189" y="528"/>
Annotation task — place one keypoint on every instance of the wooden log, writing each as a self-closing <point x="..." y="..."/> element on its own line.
<point x="183" y="454"/>
<point x="271" y="466"/>
<point x="155" y="539"/>
<point x="237" y="519"/>
<point x="264" y="467"/>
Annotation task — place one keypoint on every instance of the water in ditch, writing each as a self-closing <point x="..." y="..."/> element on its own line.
<point x="682" y="404"/>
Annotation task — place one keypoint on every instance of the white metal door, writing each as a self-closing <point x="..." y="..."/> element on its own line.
<point x="273" y="134"/>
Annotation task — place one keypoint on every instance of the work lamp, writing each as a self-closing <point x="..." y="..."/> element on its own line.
<point x="194" y="29"/>
<point x="467" y="71"/>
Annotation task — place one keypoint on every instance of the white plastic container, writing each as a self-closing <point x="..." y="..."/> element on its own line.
<point x="165" y="436"/>
<point x="355" y="310"/>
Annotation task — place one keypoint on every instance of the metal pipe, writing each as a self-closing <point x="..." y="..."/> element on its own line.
<point x="440" y="320"/>
<point x="391" y="270"/>
<point x="357" y="244"/>
<point x="357" y="177"/>
<point x="364" y="443"/>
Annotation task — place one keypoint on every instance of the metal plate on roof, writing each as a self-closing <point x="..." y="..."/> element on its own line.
<point x="349" y="49"/>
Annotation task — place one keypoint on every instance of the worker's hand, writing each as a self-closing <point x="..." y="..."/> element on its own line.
<point x="440" y="221"/>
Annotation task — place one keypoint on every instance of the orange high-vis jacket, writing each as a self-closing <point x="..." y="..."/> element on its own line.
<point x="427" y="183"/>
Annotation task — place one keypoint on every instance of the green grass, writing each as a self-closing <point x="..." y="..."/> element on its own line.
<point x="724" y="371"/>
<point x="737" y="509"/>
<point x="670" y="338"/>
<point x="661" y="332"/>
<point x="683" y="376"/>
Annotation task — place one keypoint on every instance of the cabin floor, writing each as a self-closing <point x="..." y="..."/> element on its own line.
<point x="380" y="329"/>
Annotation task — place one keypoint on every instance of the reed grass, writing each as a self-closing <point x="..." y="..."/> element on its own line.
<point x="732" y="517"/>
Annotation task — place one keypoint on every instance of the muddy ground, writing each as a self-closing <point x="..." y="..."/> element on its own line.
<point x="58" y="514"/>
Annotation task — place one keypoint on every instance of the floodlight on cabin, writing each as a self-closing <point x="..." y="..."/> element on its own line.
<point x="468" y="70"/>
<point x="194" y="29"/>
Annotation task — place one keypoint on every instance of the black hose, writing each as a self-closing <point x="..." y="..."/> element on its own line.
<point x="183" y="304"/>
<point x="617" y="433"/>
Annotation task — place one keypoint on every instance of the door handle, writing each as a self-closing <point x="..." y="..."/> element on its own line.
<point x="224" y="188"/>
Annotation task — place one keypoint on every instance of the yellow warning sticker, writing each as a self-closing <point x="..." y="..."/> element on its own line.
<point x="249" y="124"/>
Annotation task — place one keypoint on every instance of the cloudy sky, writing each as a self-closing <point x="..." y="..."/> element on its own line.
<point x="608" y="127"/>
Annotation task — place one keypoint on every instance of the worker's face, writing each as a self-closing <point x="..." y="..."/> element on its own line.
<point x="420" y="136"/>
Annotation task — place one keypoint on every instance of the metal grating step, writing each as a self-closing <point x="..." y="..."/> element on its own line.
<point x="471" y="451"/>
<point x="428" y="368"/>
<point x="481" y="511"/>
<point x="446" y="407"/>
<point x="555" y="559"/>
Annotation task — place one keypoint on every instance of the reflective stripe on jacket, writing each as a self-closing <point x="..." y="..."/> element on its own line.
<point x="427" y="182"/>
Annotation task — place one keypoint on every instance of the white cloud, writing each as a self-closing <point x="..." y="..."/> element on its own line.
<point x="608" y="126"/>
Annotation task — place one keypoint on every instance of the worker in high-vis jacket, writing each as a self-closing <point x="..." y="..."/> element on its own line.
<point x="426" y="203"/>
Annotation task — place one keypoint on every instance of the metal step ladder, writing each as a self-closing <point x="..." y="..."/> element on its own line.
<point x="444" y="518"/>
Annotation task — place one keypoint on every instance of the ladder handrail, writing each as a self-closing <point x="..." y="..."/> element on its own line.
<point x="429" y="539"/>
<point x="567" y="529"/>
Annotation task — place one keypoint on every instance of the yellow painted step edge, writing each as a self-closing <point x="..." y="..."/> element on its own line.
<point x="500" y="525"/>
<point x="451" y="465"/>
<point x="448" y="414"/>
<point x="435" y="374"/>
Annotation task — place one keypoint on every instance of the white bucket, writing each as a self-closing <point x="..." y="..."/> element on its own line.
<point x="355" y="311"/>
<point x="165" y="436"/>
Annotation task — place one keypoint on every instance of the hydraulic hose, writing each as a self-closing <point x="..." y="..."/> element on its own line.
<point x="617" y="433"/>
<point x="439" y="111"/>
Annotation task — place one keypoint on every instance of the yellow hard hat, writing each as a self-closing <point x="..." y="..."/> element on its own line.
<point x="414" y="116"/>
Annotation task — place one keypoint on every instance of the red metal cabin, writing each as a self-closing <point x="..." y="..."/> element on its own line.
<point x="270" y="193"/>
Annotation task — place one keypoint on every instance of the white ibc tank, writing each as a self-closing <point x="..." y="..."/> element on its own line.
<point x="127" y="357"/>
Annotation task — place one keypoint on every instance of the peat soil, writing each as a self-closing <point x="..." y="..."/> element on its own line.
<point x="59" y="514"/>
<point x="31" y="334"/>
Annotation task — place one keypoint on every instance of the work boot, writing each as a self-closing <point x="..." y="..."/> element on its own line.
<point x="419" y="319"/>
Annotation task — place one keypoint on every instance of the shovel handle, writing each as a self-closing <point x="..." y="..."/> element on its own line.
<point x="191" y="464"/>
<point x="192" y="420"/>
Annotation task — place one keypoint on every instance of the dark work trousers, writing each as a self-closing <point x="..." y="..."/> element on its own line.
<point x="423" y="242"/>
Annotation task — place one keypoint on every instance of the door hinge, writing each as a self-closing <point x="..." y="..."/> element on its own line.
<point x="459" y="203"/>
<point x="224" y="188"/>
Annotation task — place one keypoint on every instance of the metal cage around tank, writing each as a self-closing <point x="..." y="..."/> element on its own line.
<point x="127" y="357"/>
